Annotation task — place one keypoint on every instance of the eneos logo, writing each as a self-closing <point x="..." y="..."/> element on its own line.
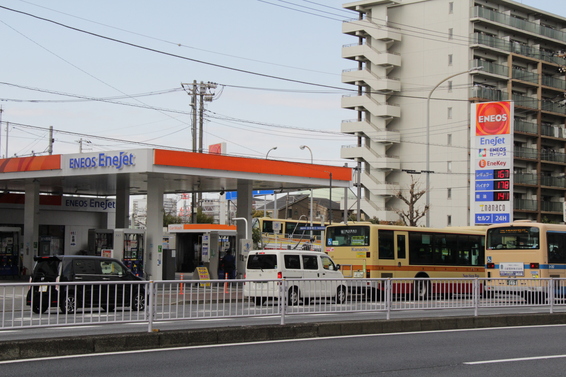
<point x="493" y="118"/>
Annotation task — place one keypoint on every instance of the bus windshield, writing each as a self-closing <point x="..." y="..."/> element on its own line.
<point x="516" y="238"/>
<point x="347" y="236"/>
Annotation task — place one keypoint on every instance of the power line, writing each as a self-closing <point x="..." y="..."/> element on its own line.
<point x="168" y="53"/>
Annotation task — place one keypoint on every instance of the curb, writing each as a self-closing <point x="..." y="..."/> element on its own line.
<point x="92" y="344"/>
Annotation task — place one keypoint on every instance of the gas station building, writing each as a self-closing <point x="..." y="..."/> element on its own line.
<point x="51" y="203"/>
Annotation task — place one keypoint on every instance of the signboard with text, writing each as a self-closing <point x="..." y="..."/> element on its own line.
<point x="491" y="192"/>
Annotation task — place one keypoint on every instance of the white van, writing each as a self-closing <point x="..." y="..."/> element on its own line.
<point x="308" y="276"/>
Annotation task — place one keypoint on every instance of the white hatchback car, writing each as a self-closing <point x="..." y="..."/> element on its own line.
<point x="308" y="275"/>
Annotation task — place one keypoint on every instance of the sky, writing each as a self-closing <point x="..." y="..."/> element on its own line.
<point x="107" y="72"/>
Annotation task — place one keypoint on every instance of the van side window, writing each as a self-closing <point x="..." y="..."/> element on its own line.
<point x="85" y="267"/>
<point x="292" y="262"/>
<point x="327" y="263"/>
<point x="310" y="262"/>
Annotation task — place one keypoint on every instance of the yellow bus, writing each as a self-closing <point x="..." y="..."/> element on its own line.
<point x="366" y="250"/>
<point x="289" y="234"/>
<point x="528" y="250"/>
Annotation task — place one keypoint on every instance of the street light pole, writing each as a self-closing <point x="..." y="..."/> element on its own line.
<point x="427" y="170"/>
<point x="311" y="205"/>
<point x="272" y="149"/>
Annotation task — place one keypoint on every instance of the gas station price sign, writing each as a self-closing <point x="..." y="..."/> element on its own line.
<point x="492" y="163"/>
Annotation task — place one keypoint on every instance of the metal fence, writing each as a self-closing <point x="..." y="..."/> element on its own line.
<point x="25" y="305"/>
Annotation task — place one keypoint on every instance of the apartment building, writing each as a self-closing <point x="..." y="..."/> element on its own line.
<point x="413" y="77"/>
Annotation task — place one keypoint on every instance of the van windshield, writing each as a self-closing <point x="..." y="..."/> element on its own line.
<point x="262" y="262"/>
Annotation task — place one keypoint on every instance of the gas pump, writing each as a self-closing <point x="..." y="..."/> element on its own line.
<point x="169" y="256"/>
<point x="129" y="246"/>
<point x="101" y="242"/>
<point x="9" y="251"/>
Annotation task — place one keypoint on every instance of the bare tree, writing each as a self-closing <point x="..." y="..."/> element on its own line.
<point x="412" y="214"/>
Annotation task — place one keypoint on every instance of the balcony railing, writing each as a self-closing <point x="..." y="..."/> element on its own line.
<point x="488" y="93"/>
<point x="526" y="179"/>
<point x="522" y="152"/>
<point x="519" y="74"/>
<point x="524" y="126"/>
<point x="547" y="154"/>
<point x="551" y="206"/>
<point x="553" y="82"/>
<point x="553" y="181"/>
<point x="525" y="204"/>
<point x="524" y="101"/>
<point x="518" y="23"/>
<point x="517" y="48"/>
<point x="489" y="67"/>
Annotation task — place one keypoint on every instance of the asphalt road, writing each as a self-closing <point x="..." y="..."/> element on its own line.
<point x="527" y="351"/>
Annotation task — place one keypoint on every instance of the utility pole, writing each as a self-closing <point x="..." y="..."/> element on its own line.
<point x="1" y="111"/>
<point x="50" y="147"/>
<point x="203" y="91"/>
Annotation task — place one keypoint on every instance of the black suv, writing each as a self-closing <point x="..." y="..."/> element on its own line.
<point x="88" y="269"/>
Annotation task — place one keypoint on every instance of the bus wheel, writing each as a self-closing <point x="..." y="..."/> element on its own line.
<point x="293" y="297"/>
<point x="421" y="290"/>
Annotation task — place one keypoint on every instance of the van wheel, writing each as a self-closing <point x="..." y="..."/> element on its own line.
<point x="68" y="305"/>
<point x="259" y="301"/>
<point x="293" y="297"/>
<point x="341" y="295"/>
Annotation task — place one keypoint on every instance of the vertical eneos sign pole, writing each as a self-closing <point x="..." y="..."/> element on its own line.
<point x="491" y="140"/>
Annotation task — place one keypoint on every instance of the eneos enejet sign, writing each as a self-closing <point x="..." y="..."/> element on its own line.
<point x="492" y="163"/>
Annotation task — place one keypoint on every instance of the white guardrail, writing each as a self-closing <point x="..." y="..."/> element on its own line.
<point x="25" y="305"/>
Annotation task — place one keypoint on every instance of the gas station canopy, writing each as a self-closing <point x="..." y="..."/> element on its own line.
<point x="99" y="174"/>
<point x="152" y="172"/>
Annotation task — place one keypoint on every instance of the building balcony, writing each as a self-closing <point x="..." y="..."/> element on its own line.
<point x="553" y="82"/>
<point x="559" y="182"/>
<point x="367" y="53"/>
<point x="365" y="102"/>
<point x="525" y="179"/>
<point x="526" y="153"/>
<point x="524" y="101"/>
<point x="525" y="76"/>
<point x="518" y="24"/>
<point x="547" y="206"/>
<point x="489" y="67"/>
<point x="524" y="126"/>
<point x="362" y="28"/>
<point x="525" y="205"/>
<point x="516" y="48"/>
<point x="487" y="93"/>
<point x="362" y="77"/>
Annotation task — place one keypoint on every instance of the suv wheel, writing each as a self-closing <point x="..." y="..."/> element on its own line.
<point x="138" y="302"/>
<point x="68" y="304"/>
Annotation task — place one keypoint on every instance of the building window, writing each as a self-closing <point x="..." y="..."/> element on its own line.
<point x="451" y="7"/>
<point x="449" y="193"/>
<point x="450" y="33"/>
<point x="450" y="59"/>
<point x="449" y="220"/>
<point x="449" y="166"/>
<point x="449" y="139"/>
<point x="450" y="86"/>
<point x="449" y="113"/>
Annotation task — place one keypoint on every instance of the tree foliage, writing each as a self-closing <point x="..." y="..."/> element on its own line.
<point x="412" y="214"/>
